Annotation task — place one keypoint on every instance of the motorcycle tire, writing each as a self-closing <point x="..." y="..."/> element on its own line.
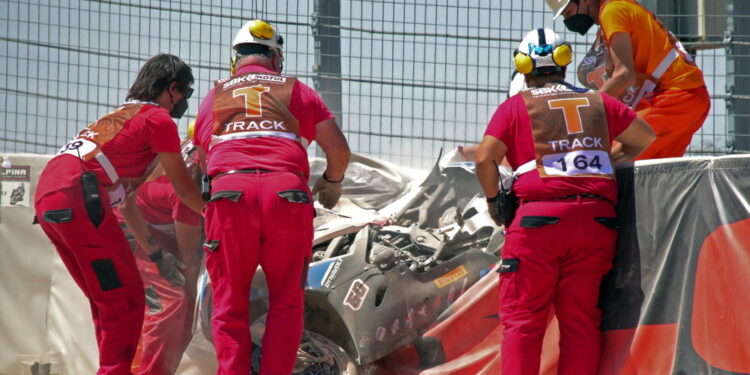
<point x="340" y="362"/>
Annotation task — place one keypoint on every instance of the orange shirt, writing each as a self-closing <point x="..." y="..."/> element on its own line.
<point x="651" y="43"/>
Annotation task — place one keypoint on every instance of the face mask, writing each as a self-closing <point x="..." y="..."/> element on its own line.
<point x="179" y="108"/>
<point x="579" y="23"/>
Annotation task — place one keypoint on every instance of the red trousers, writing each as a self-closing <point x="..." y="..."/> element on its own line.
<point x="168" y="322"/>
<point x="101" y="263"/>
<point x="253" y="225"/>
<point x="563" y="251"/>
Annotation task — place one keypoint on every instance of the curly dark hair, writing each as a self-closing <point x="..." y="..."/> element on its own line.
<point x="157" y="74"/>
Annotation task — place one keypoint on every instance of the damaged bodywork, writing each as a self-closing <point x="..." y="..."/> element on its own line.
<point x="384" y="269"/>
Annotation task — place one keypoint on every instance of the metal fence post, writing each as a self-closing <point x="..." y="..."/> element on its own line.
<point x="740" y="76"/>
<point x="729" y="87"/>
<point x="326" y="28"/>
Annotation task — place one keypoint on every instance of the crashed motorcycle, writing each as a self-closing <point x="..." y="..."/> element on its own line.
<point x="379" y="279"/>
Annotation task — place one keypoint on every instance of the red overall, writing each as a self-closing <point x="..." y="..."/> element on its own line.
<point x="168" y="321"/>
<point x="561" y="241"/>
<point x="260" y="123"/>
<point x="99" y="258"/>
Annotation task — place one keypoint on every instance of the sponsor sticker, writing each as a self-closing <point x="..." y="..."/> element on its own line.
<point x="555" y="89"/>
<point x="318" y="272"/>
<point x="452" y="295"/>
<point x="380" y="334"/>
<point x="438" y="301"/>
<point x="355" y="297"/>
<point x="331" y="273"/>
<point x="451" y="277"/>
<point x="409" y="318"/>
<point x="395" y="326"/>
<point x="250" y="78"/>
<point x="364" y="343"/>
<point x="15" y="186"/>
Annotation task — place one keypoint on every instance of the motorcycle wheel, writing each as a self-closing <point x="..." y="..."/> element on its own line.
<point x="318" y="355"/>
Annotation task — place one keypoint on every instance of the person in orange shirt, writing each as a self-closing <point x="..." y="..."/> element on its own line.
<point x="637" y="59"/>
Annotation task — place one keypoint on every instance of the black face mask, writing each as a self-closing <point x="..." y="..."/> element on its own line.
<point x="179" y="108"/>
<point x="579" y="23"/>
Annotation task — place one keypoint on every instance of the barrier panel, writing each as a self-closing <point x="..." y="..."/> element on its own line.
<point x="675" y="302"/>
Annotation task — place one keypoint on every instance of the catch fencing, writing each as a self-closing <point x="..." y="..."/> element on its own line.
<point x="404" y="78"/>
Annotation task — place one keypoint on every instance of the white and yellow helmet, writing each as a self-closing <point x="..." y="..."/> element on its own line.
<point x="542" y="50"/>
<point x="258" y="31"/>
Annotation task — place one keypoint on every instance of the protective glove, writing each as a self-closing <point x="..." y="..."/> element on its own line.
<point x="153" y="301"/>
<point x="169" y="267"/>
<point x="328" y="191"/>
<point x="494" y="212"/>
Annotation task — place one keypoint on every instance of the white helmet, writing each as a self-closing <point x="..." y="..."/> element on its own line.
<point x="258" y="31"/>
<point x="542" y="48"/>
<point x="557" y="6"/>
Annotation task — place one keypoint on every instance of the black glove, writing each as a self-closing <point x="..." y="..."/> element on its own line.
<point x="493" y="211"/>
<point x="169" y="267"/>
<point x="328" y="191"/>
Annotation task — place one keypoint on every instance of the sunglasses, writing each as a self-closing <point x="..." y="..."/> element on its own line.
<point x="189" y="93"/>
